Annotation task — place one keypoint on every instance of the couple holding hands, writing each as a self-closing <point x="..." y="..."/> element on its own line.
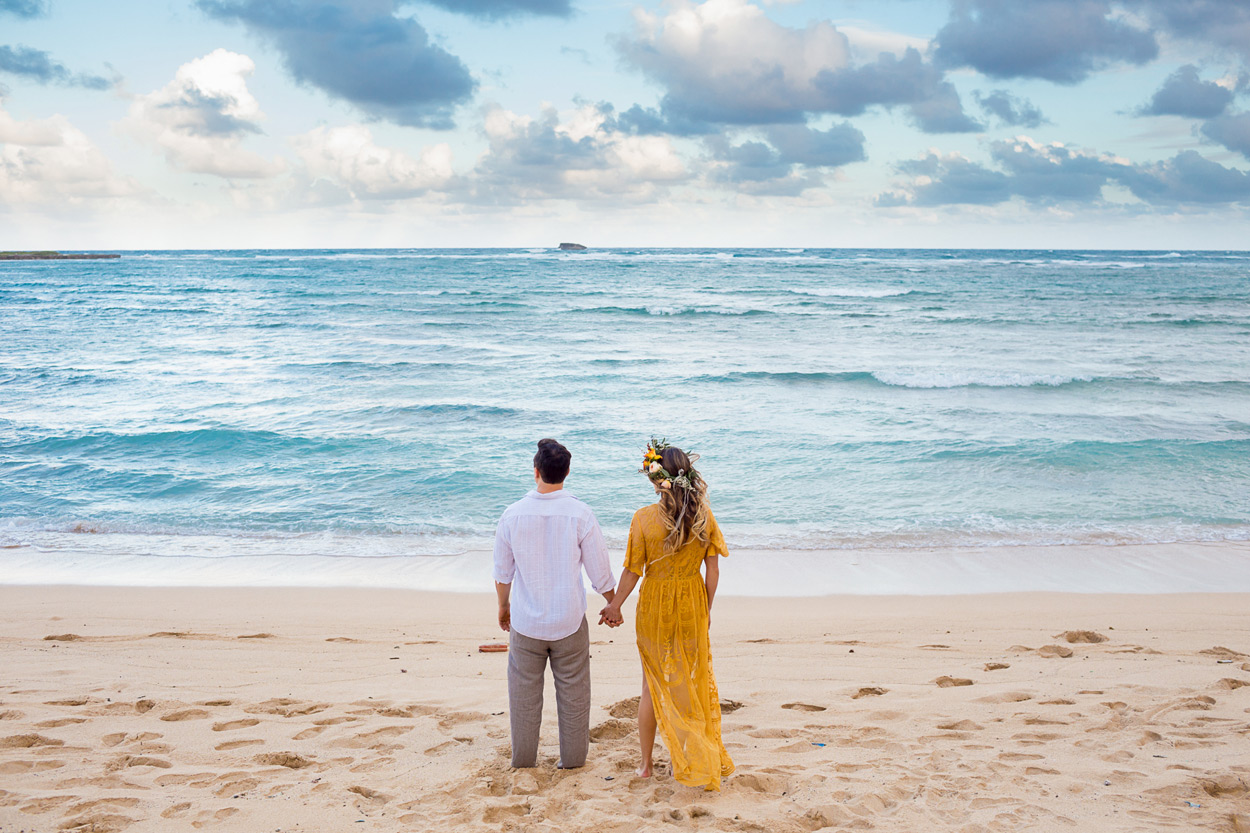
<point x="543" y="543"/>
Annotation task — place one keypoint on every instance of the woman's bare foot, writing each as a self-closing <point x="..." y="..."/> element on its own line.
<point x="643" y="771"/>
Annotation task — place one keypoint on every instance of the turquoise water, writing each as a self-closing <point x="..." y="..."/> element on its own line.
<point x="361" y="403"/>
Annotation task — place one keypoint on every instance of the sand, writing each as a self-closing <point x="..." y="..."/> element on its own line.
<point x="348" y="709"/>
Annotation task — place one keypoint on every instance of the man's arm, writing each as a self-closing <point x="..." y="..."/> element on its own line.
<point x="595" y="561"/>
<point x="505" y="571"/>
<point x="503" y="591"/>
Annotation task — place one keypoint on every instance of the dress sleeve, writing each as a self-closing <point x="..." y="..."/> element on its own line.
<point x="636" y="548"/>
<point x="715" y="539"/>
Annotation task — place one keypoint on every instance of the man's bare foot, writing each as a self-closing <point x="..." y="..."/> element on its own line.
<point x="643" y="771"/>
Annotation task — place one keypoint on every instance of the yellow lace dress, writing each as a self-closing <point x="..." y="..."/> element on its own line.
<point x="672" y="627"/>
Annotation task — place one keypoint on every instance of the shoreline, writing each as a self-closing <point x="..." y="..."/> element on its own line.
<point x="156" y="709"/>
<point x="1206" y="567"/>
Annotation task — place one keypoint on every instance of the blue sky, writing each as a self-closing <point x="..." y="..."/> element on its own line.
<point x="310" y="123"/>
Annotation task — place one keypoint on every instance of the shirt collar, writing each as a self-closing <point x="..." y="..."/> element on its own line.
<point x="537" y="495"/>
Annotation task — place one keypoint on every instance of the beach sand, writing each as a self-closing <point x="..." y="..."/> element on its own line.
<point x="352" y="709"/>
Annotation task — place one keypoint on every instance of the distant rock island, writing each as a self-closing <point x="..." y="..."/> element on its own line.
<point x="54" y="256"/>
<point x="572" y="247"/>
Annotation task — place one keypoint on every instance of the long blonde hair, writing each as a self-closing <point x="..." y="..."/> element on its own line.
<point x="685" y="509"/>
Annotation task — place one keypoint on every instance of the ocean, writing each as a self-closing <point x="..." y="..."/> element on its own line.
<point x="267" y="416"/>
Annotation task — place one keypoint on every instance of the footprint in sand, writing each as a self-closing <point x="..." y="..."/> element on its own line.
<point x="951" y="682"/>
<point x="131" y="761"/>
<point x="287" y="708"/>
<point x="19" y="767"/>
<point x="71" y="701"/>
<point x="870" y="691"/>
<point x="45" y="805"/>
<point x="184" y="714"/>
<point x="369" y="739"/>
<point x="996" y="666"/>
<point x="231" y="725"/>
<point x="237" y="744"/>
<point x="1053" y="651"/>
<point x="285" y="759"/>
<point x="803" y="707"/>
<point x="28" y="741"/>
<point x="56" y="724"/>
<point x="372" y="796"/>
<point x="961" y="726"/>
<point x="1081" y="637"/>
<point x="257" y="636"/>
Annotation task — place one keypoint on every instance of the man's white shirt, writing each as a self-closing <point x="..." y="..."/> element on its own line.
<point x="543" y="543"/>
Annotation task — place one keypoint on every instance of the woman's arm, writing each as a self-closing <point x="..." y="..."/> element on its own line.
<point x="711" y="577"/>
<point x="612" y="613"/>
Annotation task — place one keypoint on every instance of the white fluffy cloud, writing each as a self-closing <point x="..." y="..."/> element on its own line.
<point x="580" y="155"/>
<point x="349" y="157"/>
<point x="201" y="118"/>
<point x="725" y="62"/>
<point x="728" y="54"/>
<point x="49" y="162"/>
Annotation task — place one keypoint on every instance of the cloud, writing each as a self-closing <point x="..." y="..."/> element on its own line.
<point x="1232" y="131"/>
<point x="1224" y="24"/>
<point x="1010" y="110"/>
<point x="200" y="118"/>
<point x="840" y="145"/>
<point x="1056" y="40"/>
<point x="360" y="52"/>
<point x="1185" y="94"/>
<point x="582" y="156"/>
<point x="1187" y="178"/>
<point x="23" y="8"/>
<point x="349" y="157"/>
<point x="1056" y="173"/>
<point x="49" y="163"/>
<point x="497" y="9"/>
<point x="950" y="180"/>
<point x="38" y="66"/>
<point x="725" y="62"/>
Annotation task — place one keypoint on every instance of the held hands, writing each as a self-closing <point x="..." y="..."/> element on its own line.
<point x="611" y="616"/>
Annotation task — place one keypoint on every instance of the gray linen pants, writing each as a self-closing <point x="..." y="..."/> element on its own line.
<point x="570" y="668"/>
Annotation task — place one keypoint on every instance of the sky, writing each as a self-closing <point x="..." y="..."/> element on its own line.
<point x="171" y="124"/>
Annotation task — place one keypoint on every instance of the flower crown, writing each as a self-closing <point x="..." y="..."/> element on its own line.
<point x="653" y="466"/>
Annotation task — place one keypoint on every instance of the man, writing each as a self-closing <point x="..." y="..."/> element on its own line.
<point x="543" y="543"/>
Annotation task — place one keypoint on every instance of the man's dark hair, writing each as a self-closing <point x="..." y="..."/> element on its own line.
<point x="552" y="461"/>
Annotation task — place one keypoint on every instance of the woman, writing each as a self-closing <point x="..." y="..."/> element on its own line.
<point x="668" y="542"/>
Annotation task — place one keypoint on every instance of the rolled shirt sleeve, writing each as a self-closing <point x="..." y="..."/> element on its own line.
<point x="505" y="564"/>
<point x="595" y="559"/>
